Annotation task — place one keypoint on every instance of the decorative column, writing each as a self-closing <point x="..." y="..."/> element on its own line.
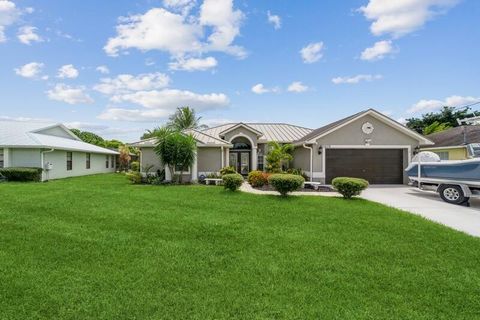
<point x="168" y="175"/>
<point x="222" y="155"/>
<point x="254" y="158"/>
<point x="6" y="157"/>
<point x="194" y="167"/>
<point x="227" y="157"/>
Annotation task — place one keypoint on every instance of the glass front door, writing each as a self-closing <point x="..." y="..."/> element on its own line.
<point x="240" y="160"/>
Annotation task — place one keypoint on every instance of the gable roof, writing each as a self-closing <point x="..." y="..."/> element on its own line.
<point x="280" y="132"/>
<point x="19" y="134"/>
<point x="238" y="125"/>
<point x="458" y="136"/>
<point x="201" y="137"/>
<point x="323" y="131"/>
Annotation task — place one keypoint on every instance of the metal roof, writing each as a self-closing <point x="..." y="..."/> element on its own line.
<point x="280" y="132"/>
<point x="24" y="134"/>
<point x="201" y="137"/>
<point x="457" y="136"/>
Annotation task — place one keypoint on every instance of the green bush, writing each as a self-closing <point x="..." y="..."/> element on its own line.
<point x="22" y="174"/>
<point x="227" y="170"/>
<point x="297" y="172"/>
<point x="232" y="181"/>
<point x="349" y="187"/>
<point x="257" y="179"/>
<point x="135" y="166"/>
<point x="285" y="183"/>
<point x="135" y="177"/>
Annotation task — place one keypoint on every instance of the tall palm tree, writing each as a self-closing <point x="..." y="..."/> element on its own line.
<point x="184" y="118"/>
<point x="278" y="154"/>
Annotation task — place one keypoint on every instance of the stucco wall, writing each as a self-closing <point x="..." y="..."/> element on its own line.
<point x="24" y="158"/>
<point x="58" y="159"/>
<point x="209" y="160"/>
<point x="453" y="154"/>
<point x="301" y="159"/>
<point x="149" y="157"/>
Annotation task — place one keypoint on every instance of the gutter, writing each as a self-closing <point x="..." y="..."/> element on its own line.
<point x="42" y="158"/>
<point x="311" y="161"/>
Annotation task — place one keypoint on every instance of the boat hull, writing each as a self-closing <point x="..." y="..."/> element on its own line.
<point x="467" y="171"/>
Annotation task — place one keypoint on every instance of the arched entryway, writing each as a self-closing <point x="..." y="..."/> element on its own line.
<point x="240" y="156"/>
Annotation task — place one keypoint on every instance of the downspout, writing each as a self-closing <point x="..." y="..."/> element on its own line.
<point x="42" y="158"/>
<point x="311" y="161"/>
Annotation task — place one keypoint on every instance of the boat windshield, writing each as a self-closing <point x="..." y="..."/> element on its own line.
<point x="474" y="150"/>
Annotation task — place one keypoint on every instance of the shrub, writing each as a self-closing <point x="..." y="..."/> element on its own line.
<point x="135" y="166"/>
<point x="232" y="181"/>
<point x="21" y="174"/>
<point x="135" y="177"/>
<point x="297" y="172"/>
<point x="285" y="183"/>
<point x="349" y="187"/>
<point x="257" y="179"/>
<point x="227" y="170"/>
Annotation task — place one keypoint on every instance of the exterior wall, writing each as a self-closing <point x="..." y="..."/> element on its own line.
<point x="453" y="154"/>
<point x="25" y="158"/>
<point x="58" y="159"/>
<point x="301" y="159"/>
<point x="209" y="160"/>
<point x="148" y="157"/>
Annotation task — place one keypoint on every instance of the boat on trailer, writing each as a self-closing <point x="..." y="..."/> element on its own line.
<point x="455" y="181"/>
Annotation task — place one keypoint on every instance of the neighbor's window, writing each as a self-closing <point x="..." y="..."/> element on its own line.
<point x="179" y="168"/>
<point x="111" y="162"/>
<point x="443" y="155"/>
<point x="69" y="160"/>
<point x="1" y="158"/>
<point x="87" y="161"/>
<point x="106" y="161"/>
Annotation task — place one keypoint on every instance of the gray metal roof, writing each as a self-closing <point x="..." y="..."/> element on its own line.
<point x="202" y="137"/>
<point x="280" y="132"/>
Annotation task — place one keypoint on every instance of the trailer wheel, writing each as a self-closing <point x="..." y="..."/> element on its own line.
<point x="452" y="194"/>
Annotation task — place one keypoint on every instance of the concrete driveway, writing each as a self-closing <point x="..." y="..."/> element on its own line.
<point x="428" y="205"/>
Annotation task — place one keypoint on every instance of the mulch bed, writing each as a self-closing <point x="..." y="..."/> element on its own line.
<point x="320" y="189"/>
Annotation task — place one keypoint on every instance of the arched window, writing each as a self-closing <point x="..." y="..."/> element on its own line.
<point x="241" y="143"/>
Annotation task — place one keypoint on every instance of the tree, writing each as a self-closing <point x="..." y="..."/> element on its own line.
<point x="447" y="116"/>
<point x="435" y="127"/>
<point x="151" y="133"/>
<point x="92" y="138"/>
<point x="277" y="154"/>
<point x="124" y="157"/>
<point x="175" y="149"/>
<point x="184" y="118"/>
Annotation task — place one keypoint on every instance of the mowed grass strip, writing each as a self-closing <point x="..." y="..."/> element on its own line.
<point x="99" y="248"/>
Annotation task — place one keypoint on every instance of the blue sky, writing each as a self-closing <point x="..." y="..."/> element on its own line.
<point x="120" y="67"/>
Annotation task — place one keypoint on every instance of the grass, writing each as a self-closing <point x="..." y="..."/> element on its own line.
<point x="98" y="248"/>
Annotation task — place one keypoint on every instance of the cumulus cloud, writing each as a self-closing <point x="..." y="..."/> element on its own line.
<point x="356" y="79"/>
<point x="401" y="17"/>
<point x="379" y="50"/>
<point x="9" y="14"/>
<point x="30" y="70"/>
<point x="193" y="64"/>
<point x="275" y="20"/>
<point x="68" y="94"/>
<point x="297" y="87"/>
<point x="121" y="114"/>
<point x="183" y="6"/>
<point x="425" y="105"/>
<point x="312" y="52"/>
<point x="261" y="89"/>
<point x="27" y="35"/>
<point x="214" y="29"/>
<point x="67" y="71"/>
<point x="103" y="69"/>
<point x="125" y="83"/>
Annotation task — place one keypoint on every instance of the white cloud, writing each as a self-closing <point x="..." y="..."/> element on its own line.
<point x="312" y="52"/>
<point x="193" y="64"/>
<point x="275" y="20"/>
<point x="71" y="95"/>
<point x="67" y="71"/>
<point x="297" y="87"/>
<point x="27" y="35"/>
<point x="261" y="89"/>
<point x="103" y="69"/>
<point x="9" y="14"/>
<point x="215" y="29"/>
<point x="356" y="79"/>
<point x="379" y="50"/>
<point x="183" y="6"/>
<point x="120" y="114"/>
<point x="125" y="83"/>
<point x="30" y="70"/>
<point x="425" y="105"/>
<point x="402" y="120"/>
<point x="401" y="17"/>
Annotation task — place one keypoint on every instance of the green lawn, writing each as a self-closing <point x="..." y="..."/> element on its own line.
<point x="98" y="248"/>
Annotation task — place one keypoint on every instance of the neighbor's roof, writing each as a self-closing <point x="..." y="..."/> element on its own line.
<point x="457" y="136"/>
<point x="280" y="132"/>
<point x="203" y="138"/>
<point x="26" y="134"/>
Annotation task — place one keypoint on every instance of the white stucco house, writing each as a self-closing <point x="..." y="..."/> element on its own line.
<point x="52" y="147"/>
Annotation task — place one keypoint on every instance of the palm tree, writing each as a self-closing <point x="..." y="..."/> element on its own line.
<point x="277" y="154"/>
<point x="184" y="118"/>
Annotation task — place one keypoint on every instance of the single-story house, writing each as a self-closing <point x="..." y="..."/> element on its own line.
<point x="368" y="144"/>
<point x="52" y="147"/>
<point x="457" y="143"/>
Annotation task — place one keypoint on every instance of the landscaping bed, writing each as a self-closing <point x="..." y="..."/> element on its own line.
<point x="304" y="189"/>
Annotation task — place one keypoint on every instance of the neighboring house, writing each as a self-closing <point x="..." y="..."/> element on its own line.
<point x="457" y="143"/>
<point x="368" y="144"/>
<point x="52" y="147"/>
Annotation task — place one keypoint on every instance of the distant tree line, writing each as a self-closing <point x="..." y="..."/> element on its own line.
<point x="438" y="121"/>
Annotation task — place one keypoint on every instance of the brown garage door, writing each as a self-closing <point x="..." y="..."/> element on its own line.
<point x="378" y="166"/>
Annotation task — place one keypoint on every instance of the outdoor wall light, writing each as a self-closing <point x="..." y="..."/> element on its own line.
<point x="320" y="150"/>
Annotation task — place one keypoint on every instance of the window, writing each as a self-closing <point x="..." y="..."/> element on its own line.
<point x="260" y="161"/>
<point x="178" y="169"/>
<point x="443" y="155"/>
<point x="87" y="161"/>
<point x="106" y="161"/>
<point x="1" y="158"/>
<point x="111" y="162"/>
<point x="69" y="161"/>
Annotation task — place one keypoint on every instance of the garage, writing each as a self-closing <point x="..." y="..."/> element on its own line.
<point x="377" y="166"/>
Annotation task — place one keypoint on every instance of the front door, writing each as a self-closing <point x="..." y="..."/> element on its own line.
<point x="240" y="160"/>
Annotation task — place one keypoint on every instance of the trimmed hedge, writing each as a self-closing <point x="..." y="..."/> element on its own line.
<point x="257" y="179"/>
<point x="22" y="174"/>
<point x="349" y="187"/>
<point x="285" y="183"/>
<point x="232" y="181"/>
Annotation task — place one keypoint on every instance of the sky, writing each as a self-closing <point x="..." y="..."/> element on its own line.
<point x="120" y="67"/>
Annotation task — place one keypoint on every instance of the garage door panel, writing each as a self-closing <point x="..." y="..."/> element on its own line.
<point x="378" y="166"/>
